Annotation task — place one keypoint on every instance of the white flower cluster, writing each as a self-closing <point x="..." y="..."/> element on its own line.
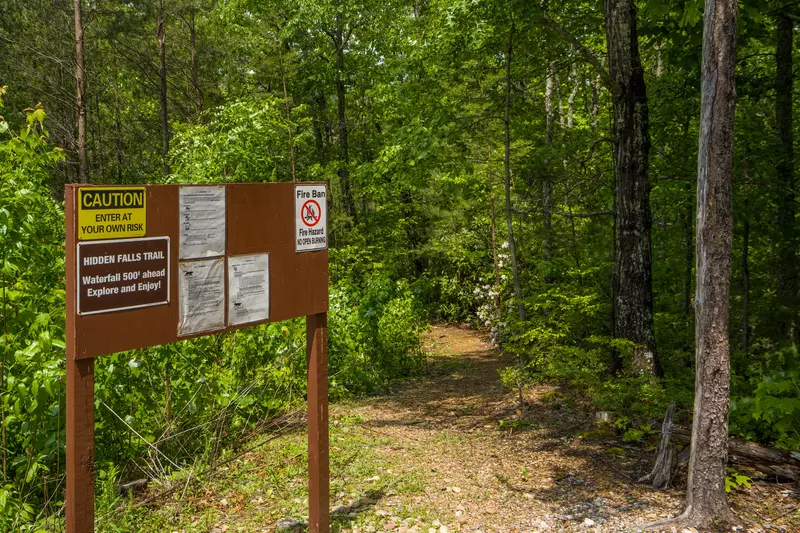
<point x="489" y="312"/>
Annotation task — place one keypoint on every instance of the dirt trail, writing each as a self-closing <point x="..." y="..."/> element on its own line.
<point x="449" y="451"/>
<point x="490" y="467"/>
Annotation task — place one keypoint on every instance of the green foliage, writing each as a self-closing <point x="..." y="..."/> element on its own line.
<point x="772" y="411"/>
<point x="735" y="481"/>
<point x="192" y="399"/>
<point x="31" y="375"/>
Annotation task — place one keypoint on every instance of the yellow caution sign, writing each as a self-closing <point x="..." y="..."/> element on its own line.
<point x="111" y="213"/>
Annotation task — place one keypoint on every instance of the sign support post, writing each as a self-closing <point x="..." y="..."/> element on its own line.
<point x="318" y="460"/>
<point x="80" y="405"/>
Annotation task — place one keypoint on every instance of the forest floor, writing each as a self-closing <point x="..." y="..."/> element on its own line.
<point x="451" y="451"/>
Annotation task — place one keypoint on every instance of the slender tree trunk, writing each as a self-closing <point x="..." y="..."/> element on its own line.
<point x="288" y="115"/>
<point x="341" y="99"/>
<point x="595" y="112"/>
<point x="547" y="222"/>
<point x="512" y="247"/>
<point x="318" y="123"/>
<point x="548" y="105"/>
<point x="632" y="265"/>
<point x="118" y="132"/>
<point x="162" y="55"/>
<point x="571" y="101"/>
<point x="688" y="229"/>
<point x="557" y="87"/>
<point x="99" y="120"/>
<point x="746" y="276"/>
<point x="198" y="90"/>
<point x="80" y="77"/>
<point x="497" y="280"/>
<point x="787" y="246"/>
<point x="706" y="499"/>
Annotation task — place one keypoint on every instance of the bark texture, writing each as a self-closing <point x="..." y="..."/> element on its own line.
<point x="80" y="100"/>
<point x="706" y="500"/>
<point x="666" y="455"/>
<point x="632" y="265"/>
<point x="784" y="171"/>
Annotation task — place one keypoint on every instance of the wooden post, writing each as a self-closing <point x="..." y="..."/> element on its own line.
<point x="318" y="467"/>
<point x="80" y="403"/>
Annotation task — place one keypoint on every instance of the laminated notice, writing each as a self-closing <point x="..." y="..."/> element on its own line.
<point x="201" y="296"/>
<point x="202" y="221"/>
<point x="248" y="288"/>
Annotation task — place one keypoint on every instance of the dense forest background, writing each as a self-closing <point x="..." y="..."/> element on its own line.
<point x="470" y="149"/>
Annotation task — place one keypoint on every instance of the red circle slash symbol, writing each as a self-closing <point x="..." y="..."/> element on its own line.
<point x="310" y="213"/>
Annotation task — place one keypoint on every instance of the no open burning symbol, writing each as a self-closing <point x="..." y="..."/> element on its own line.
<point x="310" y="213"/>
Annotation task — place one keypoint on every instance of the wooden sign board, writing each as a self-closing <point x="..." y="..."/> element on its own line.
<point x="258" y="218"/>
<point x="154" y="264"/>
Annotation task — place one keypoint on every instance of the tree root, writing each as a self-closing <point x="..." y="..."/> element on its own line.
<point x="691" y="518"/>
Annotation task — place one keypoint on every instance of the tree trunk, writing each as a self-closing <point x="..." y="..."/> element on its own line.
<point x="558" y="99"/>
<point x="632" y="265"/>
<point x="787" y="247"/>
<point x="288" y="115"/>
<point x="318" y="104"/>
<point x="198" y="90"/>
<point x="595" y="102"/>
<point x="495" y="259"/>
<point x="341" y="98"/>
<point x="688" y="234"/>
<point x="162" y="55"/>
<point x="118" y="132"/>
<point x="512" y="247"/>
<point x="779" y="464"/>
<point x="571" y="101"/>
<point x="746" y="264"/>
<point x="706" y="500"/>
<point x="99" y="121"/>
<point x="666" y="455"/>
<point x="547" y="223"/>
<point x="80" y="77"/>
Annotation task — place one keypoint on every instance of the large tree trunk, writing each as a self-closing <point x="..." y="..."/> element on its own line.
<point x="80" y="77"/>
<point x="632" y="265"/>
<point x="162" y="55"/>
<point x="512" y="247"/>
<point x="787" y="246"/>
<point x="706" y="500"/>
<point x="341" y="98"/>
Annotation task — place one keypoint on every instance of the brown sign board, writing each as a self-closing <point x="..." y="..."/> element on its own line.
<point x="205" y="259"/>
<point x="256" y="218"/>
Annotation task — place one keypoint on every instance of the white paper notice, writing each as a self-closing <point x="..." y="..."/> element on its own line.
<point x="202" y="222"/>
<point x="310" y="217"/>
<point x="248" y="288"/>
<point x="201" y="296"/>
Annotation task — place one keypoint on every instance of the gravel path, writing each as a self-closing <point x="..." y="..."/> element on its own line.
<point x="488" y="466"/>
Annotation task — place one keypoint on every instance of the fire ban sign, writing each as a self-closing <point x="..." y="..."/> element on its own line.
<point x="311" y="217"/>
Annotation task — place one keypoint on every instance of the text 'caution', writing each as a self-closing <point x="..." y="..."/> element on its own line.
<point x="111" y="213"/>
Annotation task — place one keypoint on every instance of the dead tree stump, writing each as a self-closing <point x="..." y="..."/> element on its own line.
<point x="666" y="455"/>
